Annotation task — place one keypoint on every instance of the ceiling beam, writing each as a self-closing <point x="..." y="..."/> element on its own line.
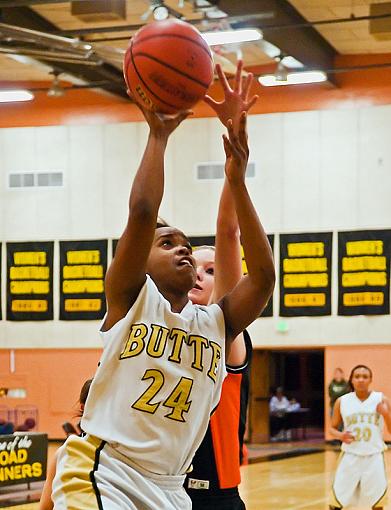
<point x="303" y="43"/>
<point x="27" y="18"/>
<point x="19" y="3"/>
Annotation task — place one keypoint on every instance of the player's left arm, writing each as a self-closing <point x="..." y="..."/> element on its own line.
<point x="384" y="408"/>
<point x="245" y="302"/>
<point x="228" y="260"/>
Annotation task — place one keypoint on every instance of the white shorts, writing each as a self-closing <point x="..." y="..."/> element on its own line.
<point x="91" y="475"/>
<point x="360" y="479"/>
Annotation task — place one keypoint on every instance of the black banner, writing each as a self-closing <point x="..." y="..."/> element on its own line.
<point x="198" y="241"/>
<point x="305" y="274"/>
<point x="114" y="243"/>
<point x="364" y="272"/>
<point x="23" y="458"/>
<point x="83" y="267"/>
<point x="30" y="281"/>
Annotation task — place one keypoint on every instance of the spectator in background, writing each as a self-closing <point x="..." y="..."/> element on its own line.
<point x="28" y="424"/>
<point x="278" y="407"/>
<point x="6" y="428"/>
<point x="339" y="386"/>
<point x="294" y="406"/>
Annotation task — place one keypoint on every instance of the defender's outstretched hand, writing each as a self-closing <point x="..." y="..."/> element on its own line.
<point x="236" y="100"/>
<point x="236" y="150"/>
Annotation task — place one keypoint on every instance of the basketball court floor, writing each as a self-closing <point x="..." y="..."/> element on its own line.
<point x="298" y="483"/>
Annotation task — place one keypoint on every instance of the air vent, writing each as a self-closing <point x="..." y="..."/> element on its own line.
<point x="49" y="179"/>
<point x="207" y="171"/>
<point x="38" y="180"/>
<point x="21" y="180"/>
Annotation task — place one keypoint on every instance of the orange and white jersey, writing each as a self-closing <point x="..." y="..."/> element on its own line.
<point x="364" y="422"/>
<point x="159" y="379"/>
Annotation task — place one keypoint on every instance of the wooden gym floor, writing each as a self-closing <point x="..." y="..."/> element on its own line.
<point x="299" y="483"/>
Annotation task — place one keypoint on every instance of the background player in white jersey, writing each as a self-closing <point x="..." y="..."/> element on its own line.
<point x="360" y="475"/>
<point x="162" y="368"/>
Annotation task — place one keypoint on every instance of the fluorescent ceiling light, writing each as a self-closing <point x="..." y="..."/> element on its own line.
<point x="270" y="80"/>
<point x="10" y="96"/>
<point x="232" y="36"/>
<point x="289" y="61"/>
<point x="160" y="13"/>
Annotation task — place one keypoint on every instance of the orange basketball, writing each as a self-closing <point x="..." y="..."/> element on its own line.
<point x="168" y="66"/>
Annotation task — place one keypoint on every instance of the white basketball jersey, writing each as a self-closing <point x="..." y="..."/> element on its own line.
<point x="362" y="420"/>
<point x="158" y="381"/>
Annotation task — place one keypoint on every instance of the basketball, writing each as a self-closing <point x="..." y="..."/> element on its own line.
<point x="168" y="66"/>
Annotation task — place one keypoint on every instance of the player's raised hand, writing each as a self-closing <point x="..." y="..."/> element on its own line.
<point x="162" y="125"/>
<point x="236" y="100"/>
<point x="236" y="150"/>
<point x="347" y="437"/>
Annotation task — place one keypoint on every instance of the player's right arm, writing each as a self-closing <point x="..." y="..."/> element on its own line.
<point x="127" y="272"/>
<point x="336" y="420"/>
<point x="384" y="408"/>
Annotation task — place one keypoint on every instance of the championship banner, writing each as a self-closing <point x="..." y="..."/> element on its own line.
<point x="364" y="272"/>
<point x="83" y="267"/>
<point x="305" y="274"/>
<point x="30" y="281"/>
<point x="23" y="458"/>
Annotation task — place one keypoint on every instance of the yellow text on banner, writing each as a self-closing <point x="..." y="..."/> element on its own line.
<point x="300" y="300"/>
<point x="363" y="299"/>
<point x="83" y="257"/>
<point x="305" y="249"/>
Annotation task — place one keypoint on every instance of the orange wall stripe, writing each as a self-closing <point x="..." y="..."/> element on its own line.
<point x="352" y="90"/>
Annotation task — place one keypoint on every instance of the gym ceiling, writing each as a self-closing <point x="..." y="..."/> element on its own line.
<point x="83" y="41"/>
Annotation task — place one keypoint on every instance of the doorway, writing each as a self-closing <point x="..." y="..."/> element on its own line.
<point x="301" y="374"/>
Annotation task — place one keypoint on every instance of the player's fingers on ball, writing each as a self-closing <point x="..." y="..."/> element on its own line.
<point x="183" y="115"/>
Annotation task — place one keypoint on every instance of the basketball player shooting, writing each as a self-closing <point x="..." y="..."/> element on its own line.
<point x="162" y="367"/>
